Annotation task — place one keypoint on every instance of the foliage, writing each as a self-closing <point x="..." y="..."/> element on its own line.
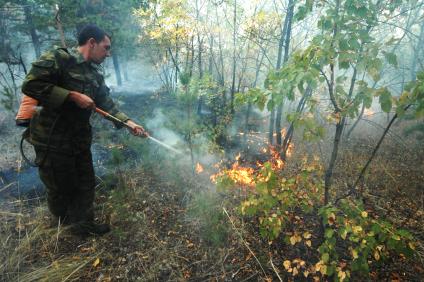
<point x="366" y="240"/>
<point x="279" y="203"/>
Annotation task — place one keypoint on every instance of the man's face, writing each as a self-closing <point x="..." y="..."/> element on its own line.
<point x="99" y="51"/>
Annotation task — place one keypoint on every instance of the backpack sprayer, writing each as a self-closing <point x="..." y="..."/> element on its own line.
<point x="28" y="107"/>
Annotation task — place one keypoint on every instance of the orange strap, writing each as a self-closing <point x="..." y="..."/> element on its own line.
<point x="26" y="108"/>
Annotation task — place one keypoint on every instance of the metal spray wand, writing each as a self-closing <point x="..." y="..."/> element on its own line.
<point x="113" y="118"/>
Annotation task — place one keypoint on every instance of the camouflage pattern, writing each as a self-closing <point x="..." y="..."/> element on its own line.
<point x="49" y="81"/>
<point x="61" y="133"/>
<point x="70" y="182"/>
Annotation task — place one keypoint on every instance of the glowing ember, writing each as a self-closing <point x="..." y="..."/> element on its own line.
<point x="199" y="168"/>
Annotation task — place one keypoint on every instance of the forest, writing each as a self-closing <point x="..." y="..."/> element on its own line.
<point x="291" y="142"/>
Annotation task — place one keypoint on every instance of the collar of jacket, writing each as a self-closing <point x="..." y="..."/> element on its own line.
<point x="79" y="59"/>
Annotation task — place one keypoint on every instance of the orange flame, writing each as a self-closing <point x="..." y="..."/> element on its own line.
<point x="368" y="112"/>
<point x="290" y="150"/>
<point x="276" y="161"/>
<point x="199" y="168"/>
<point x="283" y="133"/>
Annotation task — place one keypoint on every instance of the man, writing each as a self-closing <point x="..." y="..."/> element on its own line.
<point x="68" y="86"/>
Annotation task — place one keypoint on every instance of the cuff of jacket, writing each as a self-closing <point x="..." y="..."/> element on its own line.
<point x="58" y="96"/>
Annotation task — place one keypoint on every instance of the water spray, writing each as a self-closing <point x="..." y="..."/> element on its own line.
<point x="113" y="118"/>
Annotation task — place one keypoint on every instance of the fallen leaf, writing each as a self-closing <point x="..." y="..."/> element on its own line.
<point x="286" y="264"/>
<point x="96" y="262"/>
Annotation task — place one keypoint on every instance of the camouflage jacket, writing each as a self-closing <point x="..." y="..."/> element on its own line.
<point x="60" y="123"/>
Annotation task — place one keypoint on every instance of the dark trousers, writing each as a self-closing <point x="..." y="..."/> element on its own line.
<point x="70" y="182"/>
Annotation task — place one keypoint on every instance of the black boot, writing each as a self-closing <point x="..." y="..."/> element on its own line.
<point x="84" y="228"/>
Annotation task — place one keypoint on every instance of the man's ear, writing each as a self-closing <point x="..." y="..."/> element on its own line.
<point x="91" y="42"/>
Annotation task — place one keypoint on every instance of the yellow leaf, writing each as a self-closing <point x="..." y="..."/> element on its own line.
<point x="306" y="273"/>
<point x="377" y="255"/>
<point x="295" y="272"/>
<point x="309" y="243"/>
<point x="295" y="239"/>
<point x="356" y="229"/>
<point x="341" y="275"/>
<point x="323" y="269"/>
<point x="307" y="235"/>
<point x="364" y="214"/>
<point x="344" y="234"/>
<point x="331" y="218"/>
<point x="355" y="254"/>
<point x="286" y="264"/>
<point x="411" y="245"/>
<point x="96" y="262"/>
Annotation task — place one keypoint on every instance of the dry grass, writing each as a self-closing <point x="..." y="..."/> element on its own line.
<point x="31" y="251"/>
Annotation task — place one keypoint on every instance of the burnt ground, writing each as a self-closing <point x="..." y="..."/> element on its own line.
<point x="170" y="226"/>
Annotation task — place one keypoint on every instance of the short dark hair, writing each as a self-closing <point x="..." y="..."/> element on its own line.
<point x="91" y="31"/>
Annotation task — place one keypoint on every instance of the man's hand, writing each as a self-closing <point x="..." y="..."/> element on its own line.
<point x="136" y="129"/>
<point x="82" y="101"/>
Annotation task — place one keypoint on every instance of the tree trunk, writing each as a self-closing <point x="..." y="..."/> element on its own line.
<point x="340" y="123"/>
<point x="200" y="66"/>
<point x="287" y="34"/>
<point x="192" y="56"/>
<point x="417" y="54"/>
<point x="361" y="114"/>
<point x="271" y="125"/>
<point x="329" y="171"/>
<point x="117" y="68"/>
<point x="32" y="30"/>
<point x="233" y="84"/>
<point x="125" y="71"/>
<point x="211" y="58"/>
<point x="289" y="135"/>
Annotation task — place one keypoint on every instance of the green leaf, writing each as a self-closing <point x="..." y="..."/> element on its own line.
<point x="391" y="58"/>
<point x="329" y="233"/>
<point x="325" y="257"/>
<point x="385" y="99"/>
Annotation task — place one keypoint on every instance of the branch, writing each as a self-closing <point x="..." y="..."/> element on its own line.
<point x="364" y="169"/>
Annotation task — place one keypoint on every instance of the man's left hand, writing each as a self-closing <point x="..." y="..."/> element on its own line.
<point x="136" y="129"/>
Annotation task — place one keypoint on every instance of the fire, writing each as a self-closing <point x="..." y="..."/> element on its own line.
<point x="241" y="175"/>
<point x="276" y="161"/>
<point x="283" y="133"/>
<point x="199" y="168"/>
<point x="244" y="176"/>
<point x="238" y="157"/>
<point x="290" y="150"/>
<point x="369" y="112"/>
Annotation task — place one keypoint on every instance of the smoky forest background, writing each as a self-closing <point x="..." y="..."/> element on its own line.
<point x="298" y="130"/>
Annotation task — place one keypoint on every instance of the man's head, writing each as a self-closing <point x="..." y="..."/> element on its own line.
<point x="94" y="43"/>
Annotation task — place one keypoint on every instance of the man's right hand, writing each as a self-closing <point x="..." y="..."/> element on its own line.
<point x="82" y="101"/>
